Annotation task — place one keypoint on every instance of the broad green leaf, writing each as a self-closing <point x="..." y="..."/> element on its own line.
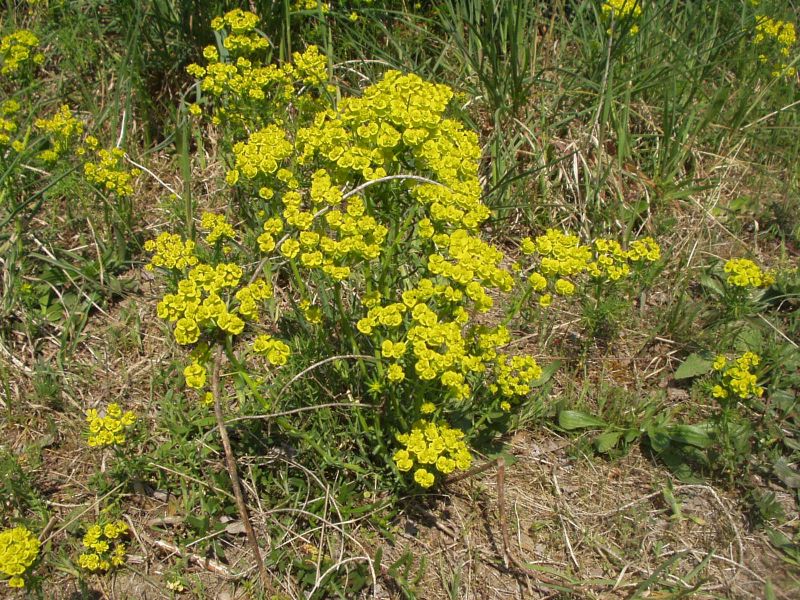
<point x="712" y="284"/>
<point x="606" y="441"/>
<point x="694" y="365"/>
<point x="575" y="419"/>
<point x="547" y="373"/>
<point x="694" y="435"/>
<point x="785" y="473"/>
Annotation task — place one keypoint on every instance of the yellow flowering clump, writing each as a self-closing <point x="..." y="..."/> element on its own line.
<point x="217" y="227"/>
<point x="377" y="198"/>
<point x="17" y="50"/>
<point x="737" y="377"/>
<point x="247" y="91"/>
<point x="312" y="5"/>
<point x="431" y="448"/>
<point x="111" y="429"/>
<point x="19" y="549"/>
<point x="8" y="127"/>
<point x="275" y="351"/>
<point x="195" y="376"/>
<point x="63" y="129"/>
<point x="619" y="10"/>
<point x="561" y="258"/>
<point x="110" y="173"/>
<point x="744" y="273"/>
<point x="242" y="37"/>
<point x="780" y="35"/>
<point x="261" y="154"/>
<point x="105" y="546"/>
<point x="170" y="251"/>
<point x="206" y="299"/>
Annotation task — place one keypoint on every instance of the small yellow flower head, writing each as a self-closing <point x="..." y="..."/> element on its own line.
<point x="62" y="129"/>
<point x="744" y="273"/>
<point x="19" y="548"/>
<point x="217" y="227"/>
<point x="432" y="446"/>
<point x="275" y="351"/>
<point x="18" y="50"/>
<point x="104" y="545"/>
<point x="195" y="375"/>
<point x="170" y="251"/>
<point x="110" y="173"/>
<point x="111" y="429"/>
<point x="622" y="9"/>
<point x="737" y="377"/>
<point x="424" y="478"/>
<point x="395" y="373"/>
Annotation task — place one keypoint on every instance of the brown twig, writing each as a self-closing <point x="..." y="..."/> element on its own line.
<point x="230" y="463"/>
<point x="208" y="564"/>
<point x="509" y="559"/>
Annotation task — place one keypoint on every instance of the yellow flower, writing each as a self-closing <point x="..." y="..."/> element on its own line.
<point x="424" y="478"/>
<point x="395" y="373"/>
<point x="110" y="429"/>
<point x="19" y="549"/>
<point x="290" y="248"/>
<point x="195" y="375"/>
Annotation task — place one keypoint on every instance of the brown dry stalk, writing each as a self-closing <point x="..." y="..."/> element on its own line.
<point x="230" y="463"/>
<point x="208" y="564"/>
<point x="509" y="558"/>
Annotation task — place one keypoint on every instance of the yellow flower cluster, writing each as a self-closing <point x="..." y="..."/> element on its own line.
<point x="170" y="252"/>
<point x="275" y="351"/>
<point x="781" y="35"/>
<point x="63" y="129"/>
<point x="430" y="445"/>
<point x="260" y="155"/>
<point x="242" y="37"/>
<point x="246" y="90"/>
<point x="8" y="127"/>
<point x="744" y="273"/>
<point x="199" y="303"/>
<point x="561" y="256"/>
<point x="311" y="5"/>
<point x="18" y="49"/>
<point x="403" y="113"/>
<point x="110" y="173"/>
<point x="441" y="348"/>
<point x="737" y="377"/>
<point x="195" y="376"/>
<point x="622" y="9"/>
<point x="515" y="374"/>
<point x="105" y="546"/>
<point x="207" y="297"/>
<point x="217" y="227"/>
<point x="19" y="548"/>
<point x="111" y="429"/>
